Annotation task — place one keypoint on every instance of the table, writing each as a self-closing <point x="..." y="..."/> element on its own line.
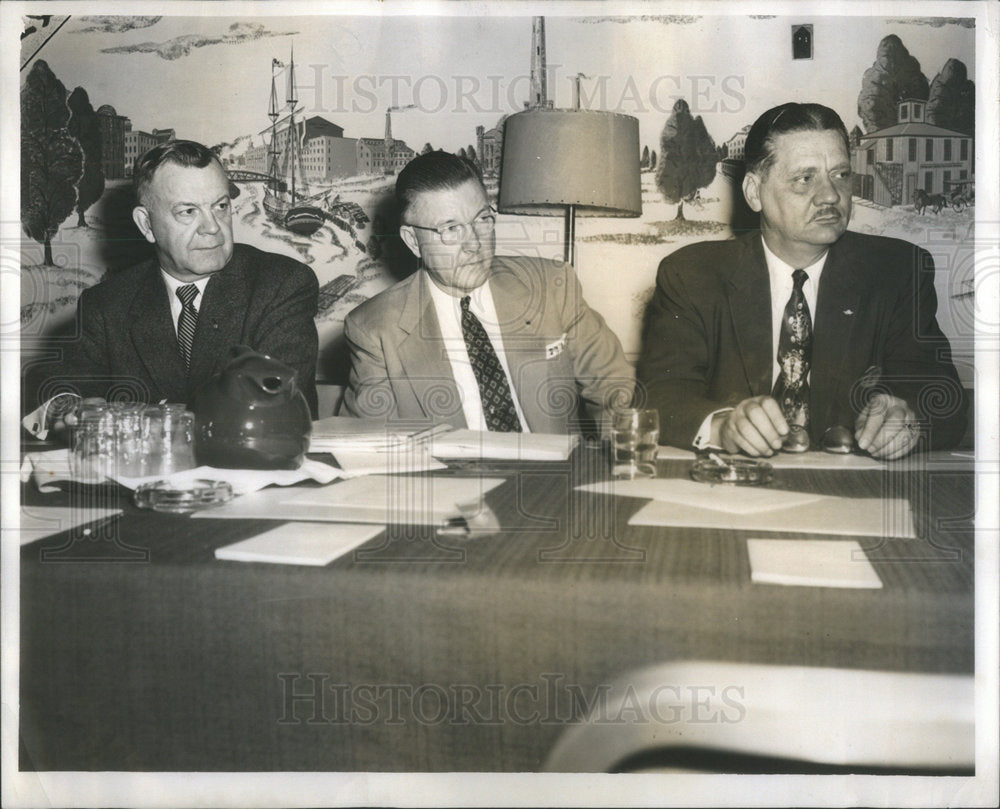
<point x="141" y="651"/>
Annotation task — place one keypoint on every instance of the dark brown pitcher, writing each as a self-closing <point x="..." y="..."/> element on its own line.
<point x="251" y="415"/>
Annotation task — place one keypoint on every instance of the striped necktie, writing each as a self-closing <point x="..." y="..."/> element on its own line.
<point x="187" y="321"/>
<point x="494" y="391"/>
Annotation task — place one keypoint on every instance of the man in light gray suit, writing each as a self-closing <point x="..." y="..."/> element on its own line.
<point x="159" y="330"/>
<point x="473" y="339"/>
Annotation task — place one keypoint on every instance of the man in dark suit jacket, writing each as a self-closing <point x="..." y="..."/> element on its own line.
<point x="559" y="365"/>
<point x="136" y="340"/>
<point x="879" y="366"/>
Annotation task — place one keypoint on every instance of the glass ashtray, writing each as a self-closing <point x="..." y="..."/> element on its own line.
<point x="739" y="471"/>
<point x="181" y="498"/>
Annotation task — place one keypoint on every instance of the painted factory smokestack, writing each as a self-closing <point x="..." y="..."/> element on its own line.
<point x="539" y="85"/>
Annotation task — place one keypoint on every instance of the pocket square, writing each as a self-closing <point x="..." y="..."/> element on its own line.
<point x="848" y="311"/>
<point x="554" y="349"/>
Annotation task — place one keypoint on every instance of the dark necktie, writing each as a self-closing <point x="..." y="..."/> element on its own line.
<point x="498" y="405"/>
<point x="187" y="321"/>
<point x="791" y="390"/>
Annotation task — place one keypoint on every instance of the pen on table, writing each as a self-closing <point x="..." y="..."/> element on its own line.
<point x="94" y="528"/>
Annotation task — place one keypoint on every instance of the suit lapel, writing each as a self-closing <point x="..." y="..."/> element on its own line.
<point x="421" y="348"/>
<point x="519" y="307"/>
<point x="838" y="310"/>
<point x="153" y="335"/>
<point x="220" y="321"/>
<point x="749" y="290"/>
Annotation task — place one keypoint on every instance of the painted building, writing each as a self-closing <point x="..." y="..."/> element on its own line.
<point x="112" y="129"/>
<point x="489" y="148"/>
<point x="137" y="143"/>
<point x="371" y="156"/>
<point x="890" y="164"/>
<point x="736" y="145"/>
<point x="326" y="154"/>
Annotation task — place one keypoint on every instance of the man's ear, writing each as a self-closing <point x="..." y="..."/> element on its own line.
<point x="409" y="236"/>
<point x="751" y="191"/>
<point x="141" y="218"/>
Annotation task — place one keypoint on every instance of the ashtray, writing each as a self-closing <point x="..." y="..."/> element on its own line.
<point x="180" y="498"/>
<point x="739" y="471"/>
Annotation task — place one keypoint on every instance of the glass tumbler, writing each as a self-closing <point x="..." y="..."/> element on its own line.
<point x="167" y="439"/>
<point x="635" y="434"/>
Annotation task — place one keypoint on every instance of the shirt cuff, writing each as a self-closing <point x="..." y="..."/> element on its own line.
<point x="703" y="438"/>
<point x="36" y="422"/>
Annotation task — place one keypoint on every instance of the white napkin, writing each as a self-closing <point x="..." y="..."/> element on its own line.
<point x="245" y="481"/>
<point x="51" y="467"/>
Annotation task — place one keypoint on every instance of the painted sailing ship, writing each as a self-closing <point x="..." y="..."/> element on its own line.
<point x="285" y="202"/>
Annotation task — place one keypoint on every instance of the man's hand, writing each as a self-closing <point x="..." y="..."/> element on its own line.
<point x="755" y="426"/>
<point x="887" y="428"/>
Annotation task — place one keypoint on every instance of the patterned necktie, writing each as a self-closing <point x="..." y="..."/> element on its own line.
<point x="791" y="389"/>
<point x="498" y="406"/>
<point x="187" y="321"/>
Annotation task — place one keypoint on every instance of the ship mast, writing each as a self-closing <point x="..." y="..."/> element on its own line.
<point x="272" y="113"/>
<point x="292" y="133"/>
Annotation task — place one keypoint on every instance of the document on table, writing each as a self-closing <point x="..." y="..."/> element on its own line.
<point x="347" y="433"/>
<point x="791" y="460"/>
<point x="380" y="499"/>
<point x="300" y="543"/>
<point x="38" y="522"/>
<point x="850" y="516"/>
<point x="464" y="444"/>
<point x="721" y="497"/>
<point x="394" y="461"/>
<point x="811" y="563"/>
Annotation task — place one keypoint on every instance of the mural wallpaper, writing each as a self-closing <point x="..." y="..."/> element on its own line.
<point x="343" y="102"/>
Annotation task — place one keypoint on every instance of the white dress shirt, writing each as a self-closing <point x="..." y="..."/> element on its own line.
<point x="780" y="275"/>
<point x="175" y="303"/>
<point x="449" y="313"/>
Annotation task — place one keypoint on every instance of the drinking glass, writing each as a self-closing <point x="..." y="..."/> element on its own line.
<point x="93" y="452"/>
<point x="167" y="439"/>
<point x="635" y="434"/>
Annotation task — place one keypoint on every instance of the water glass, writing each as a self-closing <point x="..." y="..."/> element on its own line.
<point x="167" y="435"/>
<point x="635" y="434"/>
<point x="92" y="458"/>
<point x="128" y="438"/>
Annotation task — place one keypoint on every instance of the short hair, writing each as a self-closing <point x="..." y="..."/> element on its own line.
<point x="181" y="152"/>
<point x="758" y="150"/>
<point x="433" y="171"/>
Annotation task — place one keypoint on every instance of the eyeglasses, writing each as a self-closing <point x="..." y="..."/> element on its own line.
<point x="458" y="232"/>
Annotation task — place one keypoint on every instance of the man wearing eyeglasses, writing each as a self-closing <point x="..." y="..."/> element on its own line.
<point x="473" y="339"/>
<point x="803" y="330"/>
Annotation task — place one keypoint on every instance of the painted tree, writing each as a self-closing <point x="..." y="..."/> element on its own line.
<point x="51" y="158"/>
<point x="951" y="103"/>
<point x="644" y="160"/>
<point x="427" y="148"/>
<point x="687" y="157"/>
<point x="85" y="127"/>
<point x="893" y="77"/>
<point x="652" y="159"/>
<point x="461" y="152"/>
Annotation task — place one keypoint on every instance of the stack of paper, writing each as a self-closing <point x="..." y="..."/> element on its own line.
<point x="811" y="563"/>
<point x="380" y="499"/>
<point x="350" y="434"/>
<point x="300" y="543"/>
<point x="685" y="503"/>
<point x="463" y="444"/>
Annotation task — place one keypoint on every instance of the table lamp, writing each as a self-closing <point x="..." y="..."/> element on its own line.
<point x="571" y="162"/>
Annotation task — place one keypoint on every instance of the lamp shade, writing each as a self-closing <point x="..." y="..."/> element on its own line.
<point x="585" y="158"/>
